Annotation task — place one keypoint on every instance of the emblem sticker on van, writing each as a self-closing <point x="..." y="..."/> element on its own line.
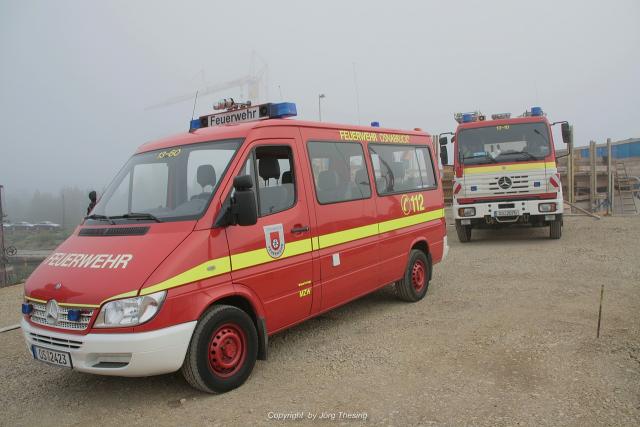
<point x="274" y="240"/>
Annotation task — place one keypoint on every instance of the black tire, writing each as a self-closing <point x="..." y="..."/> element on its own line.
<point x="407" y="289"/>
<point x="236" y="329"/>
<point x="463" y="231"/>
<point x="555" y="229"/>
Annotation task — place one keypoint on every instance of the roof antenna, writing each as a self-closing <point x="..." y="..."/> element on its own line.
<point x="191" y="128"/>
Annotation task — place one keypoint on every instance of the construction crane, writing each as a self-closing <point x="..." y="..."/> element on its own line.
<point x="257" y="78"/>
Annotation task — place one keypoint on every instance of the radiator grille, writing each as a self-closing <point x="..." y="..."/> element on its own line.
<point x="55" y="342"/>
<point x="39" y="315"/>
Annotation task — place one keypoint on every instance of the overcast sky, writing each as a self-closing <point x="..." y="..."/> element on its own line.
<point x="76" y="77"/>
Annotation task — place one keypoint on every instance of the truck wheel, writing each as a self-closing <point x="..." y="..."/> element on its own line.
<point x="555" y="229"/>
<point x="413" y="286"/>
<point x="222" y="351"/>
<point x="464" y="232"/>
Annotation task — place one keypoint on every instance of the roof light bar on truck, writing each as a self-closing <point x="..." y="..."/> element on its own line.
<point x="244" y="112"/>
<point x="469" y="117"/>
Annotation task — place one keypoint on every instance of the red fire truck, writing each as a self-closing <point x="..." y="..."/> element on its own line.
<point x="208" y="242"/>
<point x="505" y="172"/>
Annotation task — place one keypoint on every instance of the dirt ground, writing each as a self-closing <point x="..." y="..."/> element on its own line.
<point x="505" y="336"/>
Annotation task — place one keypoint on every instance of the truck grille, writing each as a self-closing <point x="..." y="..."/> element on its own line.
<point x="486" y="185"/>
<point x="55" y="342"/>
<point x="39" y="315"/>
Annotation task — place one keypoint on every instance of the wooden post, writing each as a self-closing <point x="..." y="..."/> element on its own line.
<point x="571" y="171"/>
<point x="593" y="177"/>
<point x="609" y="178"/>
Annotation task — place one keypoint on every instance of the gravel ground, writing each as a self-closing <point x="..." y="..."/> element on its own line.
<point x="505" y="336"/>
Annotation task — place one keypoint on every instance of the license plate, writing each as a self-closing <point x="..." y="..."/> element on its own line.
<point x="58" y="358"/>
<point x="507" y="212"/>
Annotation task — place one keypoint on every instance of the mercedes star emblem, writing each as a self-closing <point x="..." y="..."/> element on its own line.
<point x="504" y="182"/>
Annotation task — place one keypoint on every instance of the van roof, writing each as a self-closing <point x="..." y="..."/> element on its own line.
<point x="241" y="130"/>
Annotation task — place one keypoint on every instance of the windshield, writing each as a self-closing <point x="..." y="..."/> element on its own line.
<point x="504" y="143"/>
<point x="172" y="184"/>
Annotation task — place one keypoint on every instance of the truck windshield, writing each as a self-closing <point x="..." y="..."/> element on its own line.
<point x="504" y="143"/>
<point x="173" y="184"/>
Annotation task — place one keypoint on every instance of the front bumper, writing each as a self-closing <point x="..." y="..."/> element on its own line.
<point x="128" y="355"/>
<point x="524" y="208"/>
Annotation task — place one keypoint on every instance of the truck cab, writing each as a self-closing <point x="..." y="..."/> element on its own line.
<point x="505" y="172"/>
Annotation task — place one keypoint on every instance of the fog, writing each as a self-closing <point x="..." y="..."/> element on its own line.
<point x="76" y="78"/>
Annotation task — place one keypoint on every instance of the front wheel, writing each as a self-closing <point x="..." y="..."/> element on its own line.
<point x="555" y="229"/>
<point x="223" y="350"/>
<point x="463" y="231"/>
<point x="413" y="286"/>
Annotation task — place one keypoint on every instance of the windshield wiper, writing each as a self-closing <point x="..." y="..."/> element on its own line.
<point x="138" y="215"/>
<point x="99" y="217"/>
<point x="486" y="155"/>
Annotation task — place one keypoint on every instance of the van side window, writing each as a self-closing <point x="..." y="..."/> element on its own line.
<point x="400" y="169"/>
<point x="276" y="189"/>
<point x="339" y="171"/>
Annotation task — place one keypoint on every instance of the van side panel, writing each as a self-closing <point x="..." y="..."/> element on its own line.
<point x="346" y="246"/>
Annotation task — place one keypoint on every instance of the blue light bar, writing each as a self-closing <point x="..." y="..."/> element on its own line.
<point x="282" y="109"/>
<point x="27" y="308"/>
<point x="375" y="124"/>
<point x="467" y="118"/>
<point x="195" y="124"/>
<point x="536" y="111"/>
<point x="73" y="315"/>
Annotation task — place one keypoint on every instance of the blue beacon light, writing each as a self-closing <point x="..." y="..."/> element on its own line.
<point x="27" y="308"/>
<point x="467" y="118"/>
<point x="73" y="315"/>
<point x="536" y="111"/>
<point x="375" y="124"/>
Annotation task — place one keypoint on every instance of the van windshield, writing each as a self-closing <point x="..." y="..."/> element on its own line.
<point x="173" y="184"/>
<point x="504" y="143"/>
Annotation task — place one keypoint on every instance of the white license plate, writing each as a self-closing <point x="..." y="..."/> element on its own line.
<point x="58" y="358"/>
<point x="507" y="212"/>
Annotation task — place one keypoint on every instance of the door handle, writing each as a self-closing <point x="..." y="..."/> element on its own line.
<point x="300" y="229"/>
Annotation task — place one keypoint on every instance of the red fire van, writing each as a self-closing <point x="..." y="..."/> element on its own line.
<point x="208" y="242"/>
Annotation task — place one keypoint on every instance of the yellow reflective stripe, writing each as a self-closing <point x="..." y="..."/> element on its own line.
<point x="261" y="256"/>
<point x="350" y="235"/>
<point x="408" y="221"/>
<point x="508" y="168"/>
<point x="64" y="304"/>
<point x="119" y="296"/>
<point x="211" y="268"/>
<point x="252" y="258"/>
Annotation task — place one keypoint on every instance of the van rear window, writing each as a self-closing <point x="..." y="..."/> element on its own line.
<point x="401" y="169"/>
<point x="339" y="171"/>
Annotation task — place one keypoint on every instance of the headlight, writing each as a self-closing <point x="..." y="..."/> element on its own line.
<point x="466" y="212"/>
<point x="130" y="311"/>
<point x="547" y="207"/>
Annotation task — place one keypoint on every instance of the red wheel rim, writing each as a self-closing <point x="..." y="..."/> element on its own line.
<point x="418" y="275"/>
<point x="227" y="350"/>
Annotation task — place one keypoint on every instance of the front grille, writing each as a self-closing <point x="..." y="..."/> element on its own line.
<point x="55" y="342"/>
<point x="519" y="184"/>
<point x="113" y="231"/>
<point x="39" y="315"/>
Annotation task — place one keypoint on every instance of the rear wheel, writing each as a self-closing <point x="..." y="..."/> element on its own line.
<point x="223" y="350"/>
<point x="413" y="286"/>
<point x="555" y="229"/>
<point x="464" y="232"/>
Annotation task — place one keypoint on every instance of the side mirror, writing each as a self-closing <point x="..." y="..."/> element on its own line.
<point x="444" y="140"/>
<point x="567" y="133"/>
<point x="240" y="209"/>
<point x="243" y="206"/>
<point x="444" y="155"/>
<point x="93" y="197"/>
